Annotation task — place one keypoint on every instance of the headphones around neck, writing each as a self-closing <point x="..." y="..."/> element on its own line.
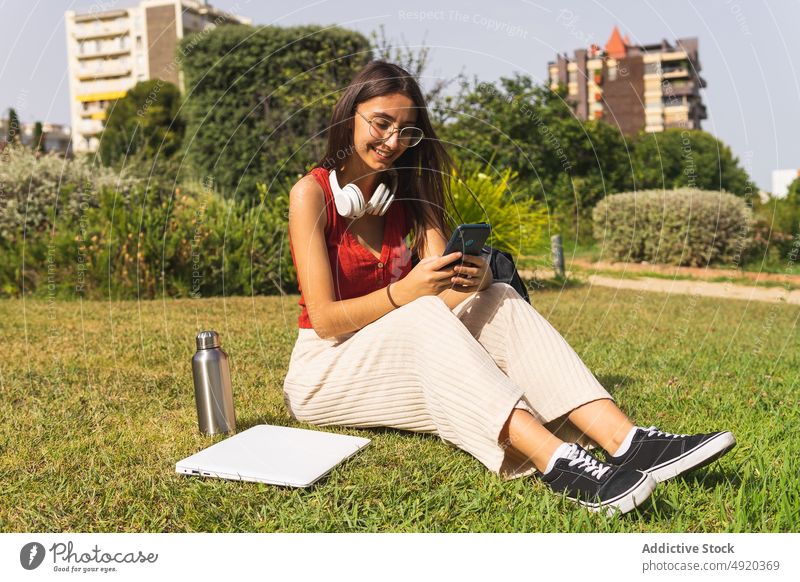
<point x="350" y="201"/>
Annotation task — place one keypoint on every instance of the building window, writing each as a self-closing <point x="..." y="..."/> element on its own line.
<point x="572" y="77"/>
<point x="612" y="72"/>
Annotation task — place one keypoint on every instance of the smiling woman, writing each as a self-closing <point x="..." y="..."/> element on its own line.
<point x="439" y="348"/>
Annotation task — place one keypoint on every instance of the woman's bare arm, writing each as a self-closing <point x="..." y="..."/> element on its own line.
<point x="329" y="317"/>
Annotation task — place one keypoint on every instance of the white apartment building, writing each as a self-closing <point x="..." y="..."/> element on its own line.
<point x="781" y="180"/>
<point x="109" y="51"/>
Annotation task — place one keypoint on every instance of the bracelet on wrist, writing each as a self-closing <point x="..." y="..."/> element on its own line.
<point x="389" y="293"/>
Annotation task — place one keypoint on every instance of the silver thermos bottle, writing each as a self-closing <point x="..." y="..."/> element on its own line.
<point x="212" y="386"/>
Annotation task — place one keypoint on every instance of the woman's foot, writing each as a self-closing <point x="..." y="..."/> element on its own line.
<point x="595" y="485"/>
<point x="664" y="455"/>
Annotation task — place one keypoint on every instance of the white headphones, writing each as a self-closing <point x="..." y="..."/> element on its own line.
<point x="350" y="201"/>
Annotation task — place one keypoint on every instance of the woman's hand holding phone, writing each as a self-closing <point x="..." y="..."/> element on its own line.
<point x="473" y="274"/>
<point x="426" y="278"/>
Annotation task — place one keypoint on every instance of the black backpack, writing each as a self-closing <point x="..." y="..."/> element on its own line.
<point x="503" y="269"/>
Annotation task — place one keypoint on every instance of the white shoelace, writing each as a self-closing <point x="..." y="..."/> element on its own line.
<point x="586" y="462"/>
<point x="654" y="431"/>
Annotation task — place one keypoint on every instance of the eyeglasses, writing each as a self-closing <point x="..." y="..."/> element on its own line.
<point x="382" y="129"/>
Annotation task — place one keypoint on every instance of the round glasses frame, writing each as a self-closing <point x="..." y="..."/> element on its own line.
<point x="409" y="139"/>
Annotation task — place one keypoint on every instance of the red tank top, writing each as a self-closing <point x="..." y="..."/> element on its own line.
<point x="354" y="269"/>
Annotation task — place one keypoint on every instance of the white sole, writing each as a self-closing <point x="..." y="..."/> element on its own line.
<point x="699" y="456"/>
<point x="626" y="502"/>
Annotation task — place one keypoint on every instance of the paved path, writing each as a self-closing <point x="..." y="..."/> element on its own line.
<point x="703" y="288"/>
<point x="693" y="272"/>
<point x="681" y="286"/>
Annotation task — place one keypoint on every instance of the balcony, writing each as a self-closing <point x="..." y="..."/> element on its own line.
<point x="100" y="92"/>
<point x="93" y="113"/>
<point x="98" y="30"/>
<point x="90" y="126"/>
<point x="699" y="110"/>
<point x="117" y="48"/>
<point x="678" y="73"/>
<point x="104" y="73"/>
<point x="103" y="53"/>
<point x="683" y="123"/>
<point x="680" y="88"/>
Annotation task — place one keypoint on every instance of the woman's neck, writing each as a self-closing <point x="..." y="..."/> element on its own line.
<point x="354" y="171"/>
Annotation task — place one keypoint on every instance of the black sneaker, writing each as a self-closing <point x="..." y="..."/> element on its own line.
<point x="664" y="455"/>
<point x="595" y="485"/>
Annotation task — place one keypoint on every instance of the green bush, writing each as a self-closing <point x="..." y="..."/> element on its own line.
<point x="45" y="198"/>
<point x="191" y="244"/>
<point x="39" y="191"/>
<point x="678" y="227"/>
<point x="517" y="223"/>
<point x="93" y="235"/>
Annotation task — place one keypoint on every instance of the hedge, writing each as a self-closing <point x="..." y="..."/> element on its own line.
<point x="685" y="226"/>
<point x="259" y="99"/>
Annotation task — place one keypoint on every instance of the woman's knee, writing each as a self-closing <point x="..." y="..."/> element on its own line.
<point x="492" y="297"/>
<point x="500" y="289"/>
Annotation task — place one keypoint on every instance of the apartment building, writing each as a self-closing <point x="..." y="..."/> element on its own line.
<point x="781" y="180"/>
<point x="109" y="51"/>
<point x="650" y="87"/>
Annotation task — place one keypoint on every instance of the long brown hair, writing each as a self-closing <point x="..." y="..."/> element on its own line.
<point x="423" y="171"/>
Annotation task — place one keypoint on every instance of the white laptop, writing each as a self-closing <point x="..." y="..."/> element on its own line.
<point x="278" y="455"/>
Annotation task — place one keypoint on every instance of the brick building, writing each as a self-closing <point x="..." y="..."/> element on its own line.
<point x="636" y="87"/>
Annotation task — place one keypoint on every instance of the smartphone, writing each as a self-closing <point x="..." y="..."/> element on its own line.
<point x="468" y="239"/>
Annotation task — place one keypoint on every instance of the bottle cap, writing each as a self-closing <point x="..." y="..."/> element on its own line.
<point x="207" y="340"/>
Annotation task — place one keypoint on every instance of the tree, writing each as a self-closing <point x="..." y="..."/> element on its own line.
<point x="260" y="99"/>
<point x="38" y="138"/>
<point x="560" y="160"/>
<point x="13" y="129"/>
<point x="692" y="158"/>
<point x="143" y="124"/>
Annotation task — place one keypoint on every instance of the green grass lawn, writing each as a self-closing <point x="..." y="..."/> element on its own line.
<point x="98" y="405"/>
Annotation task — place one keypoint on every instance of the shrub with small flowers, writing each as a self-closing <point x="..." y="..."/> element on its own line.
<point x="140" y="238"/>
<point x="684" y="226"/>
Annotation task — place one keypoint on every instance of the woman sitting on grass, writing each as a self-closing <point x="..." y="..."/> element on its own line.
<point x="444" y="350"/>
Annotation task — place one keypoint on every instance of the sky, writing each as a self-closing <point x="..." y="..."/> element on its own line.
<point x="749" y="51"/>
